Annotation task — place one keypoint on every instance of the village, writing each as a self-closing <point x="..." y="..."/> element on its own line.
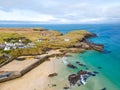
<point x="22" y="42"/>
<point x="30" y="41"/>
<point x="15" y="45"/>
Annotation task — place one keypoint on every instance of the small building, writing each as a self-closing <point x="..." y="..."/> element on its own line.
<point x="5" y="42"/>
<point x="7" y="48"/>
<point x="20" y="40"/>
<point x="40" y="40"/>
<point x="18" y="43"/>
<point x="10" y="44"/>
<point x="20" y="46"/>
<point x="31" y="45"/>
<point x="66" y="39"/>
<point x="14" y="47"/>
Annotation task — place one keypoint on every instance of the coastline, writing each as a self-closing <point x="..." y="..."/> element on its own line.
<point x="107" y="60"/>
<point x="37" y="78"/>
<point x="77" y="47"/>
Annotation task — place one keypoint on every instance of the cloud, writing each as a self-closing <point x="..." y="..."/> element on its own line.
<point x="92" y="20"/>
<point x="61" y="11"/>
<point x="25" y="15"/>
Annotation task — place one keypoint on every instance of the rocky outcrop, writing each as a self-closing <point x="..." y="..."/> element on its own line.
<point x="97" y="47"/>
<point x="79" y="78"/>
<point x="88" y="45"/>
<point x="85" y="44"/>
<point x="81" y="45"/>
<point x="90" y="35"/>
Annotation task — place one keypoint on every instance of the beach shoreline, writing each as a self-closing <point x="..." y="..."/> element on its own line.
<point x="46" y="64"/>
<point x="38" y="78"/>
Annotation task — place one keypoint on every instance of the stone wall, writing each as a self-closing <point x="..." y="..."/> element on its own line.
<point x="17" y="74"/>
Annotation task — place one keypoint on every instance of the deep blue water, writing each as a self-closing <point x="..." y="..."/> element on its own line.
<point x="108" y="34"/>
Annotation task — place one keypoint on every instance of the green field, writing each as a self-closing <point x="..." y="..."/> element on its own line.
<point x="51" y="39"/>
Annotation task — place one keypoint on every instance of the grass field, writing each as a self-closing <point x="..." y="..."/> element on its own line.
<point x="51" y="39"/>
<point x="29" y="33"/>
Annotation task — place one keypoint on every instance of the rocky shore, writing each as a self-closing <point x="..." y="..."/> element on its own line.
<point x="85" y="44"/>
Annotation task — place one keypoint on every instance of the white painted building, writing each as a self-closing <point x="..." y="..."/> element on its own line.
<point x="7" y="48"/>
<point x="40" y="40"/>
<point x="66" y="39"/>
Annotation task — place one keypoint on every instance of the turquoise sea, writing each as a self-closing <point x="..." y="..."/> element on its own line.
<point x="109" y="60"/>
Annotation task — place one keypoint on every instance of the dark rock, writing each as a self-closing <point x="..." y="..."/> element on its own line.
<point x="85" y="44"/>
<point x="66" y="88"/>
<point x="91" y="35"/>
<point x="97" y="47"/>
<point x="73" y="78"/>
<point x="54" y="85"/>
<point x="81" y="72"/>
<point x="78" y="84"/>
<point x="91" y="74"/>
<point x="71" y="66"/>
<point x="81" y="64"/>
<point x="99" y="67"/>
<point x="20" y="59"/>
<point x="95" y="72"/>
<point x="77" y="62"/>
<point x="52" y="75"/>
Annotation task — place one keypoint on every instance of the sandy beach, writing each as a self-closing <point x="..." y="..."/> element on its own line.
<point x="36" y="79"/>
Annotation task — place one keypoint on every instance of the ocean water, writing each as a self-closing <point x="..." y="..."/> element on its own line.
<point x="109" y="60"/>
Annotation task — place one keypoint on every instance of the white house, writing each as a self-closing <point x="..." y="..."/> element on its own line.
<point x="18" y="43"/>
<point x="31" y="45"/>
<point x="10" y="44"/>
<point x="7" y="48"/>
<point x="5" y="42"/>
<point x="20" y="40"/>
<point x="40" y="40"/>
<point x="21" y="46"/>
<point x="66" y="39"/>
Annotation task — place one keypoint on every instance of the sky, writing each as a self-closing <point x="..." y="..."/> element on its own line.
<point x="61" y="11"/>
